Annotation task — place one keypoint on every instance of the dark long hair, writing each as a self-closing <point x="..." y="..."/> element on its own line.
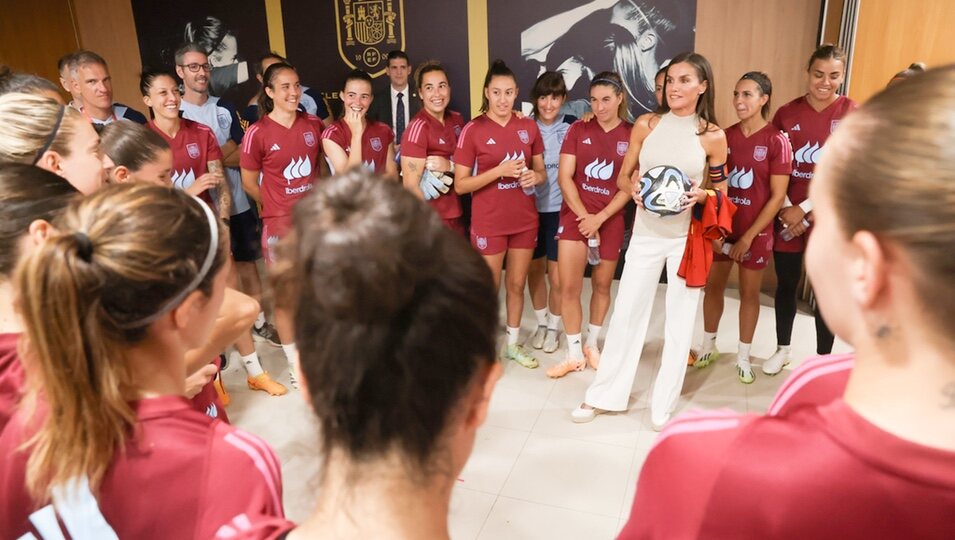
<point x="705" y="107"/>
<point x="498" y="69"/>
<point x="264" y="101"/>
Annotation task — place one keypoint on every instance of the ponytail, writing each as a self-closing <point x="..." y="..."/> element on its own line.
<point x="498" y="69"/>
<point x="119" y="257"/>
<point x="264" y="102"/>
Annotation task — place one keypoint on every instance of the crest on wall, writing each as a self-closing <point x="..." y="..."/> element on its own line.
<point x="367" y="30"/>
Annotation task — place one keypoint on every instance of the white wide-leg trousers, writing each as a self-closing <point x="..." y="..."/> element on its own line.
<point x="627" y="331"/>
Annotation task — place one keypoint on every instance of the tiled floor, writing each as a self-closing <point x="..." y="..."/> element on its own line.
<point x="534" y="473"/>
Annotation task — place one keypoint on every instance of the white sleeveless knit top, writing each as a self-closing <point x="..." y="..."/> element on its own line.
<point x="673" y="142"/>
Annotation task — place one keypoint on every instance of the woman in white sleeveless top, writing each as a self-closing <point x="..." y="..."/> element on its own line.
<point x="682" y="134"/>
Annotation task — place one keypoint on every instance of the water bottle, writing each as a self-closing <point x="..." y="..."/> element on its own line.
<point x="787" y="235"/>
<point x="529" y="190"/>
<point x="727" y="246"/>
<point x="593" y="251"/>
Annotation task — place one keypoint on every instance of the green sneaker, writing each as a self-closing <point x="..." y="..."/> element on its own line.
<point x="745" y="373"/>
<point x="520" y="355"/>
<point x="707" y="359"/>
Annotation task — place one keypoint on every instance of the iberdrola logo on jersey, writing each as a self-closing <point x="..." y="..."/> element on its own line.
<point x="741" y="178"/>
<point x="599" y="170"/>
<point x="298" y="169"/>
<point x="183" y="179"/>
<point x="809" y="153"/>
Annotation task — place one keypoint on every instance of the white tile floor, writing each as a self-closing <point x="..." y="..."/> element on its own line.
<point x="534" y="473"/>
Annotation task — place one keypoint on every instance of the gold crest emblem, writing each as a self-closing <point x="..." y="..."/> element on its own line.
<point x="367" y="31"/>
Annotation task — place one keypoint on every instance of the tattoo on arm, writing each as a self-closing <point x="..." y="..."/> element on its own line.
<point x="224" y="190"/>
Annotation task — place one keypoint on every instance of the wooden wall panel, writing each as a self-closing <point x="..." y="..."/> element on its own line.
<point x="892" y="34"/>
<point x="35" y="34"/>
<point x="774" y="36"/>
<point x="107" y="27"/>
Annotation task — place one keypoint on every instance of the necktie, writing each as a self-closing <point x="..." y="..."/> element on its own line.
<point x="399" y="117"/>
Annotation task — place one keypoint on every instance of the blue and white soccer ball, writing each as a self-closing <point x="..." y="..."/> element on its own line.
<point x="663" y="188"/>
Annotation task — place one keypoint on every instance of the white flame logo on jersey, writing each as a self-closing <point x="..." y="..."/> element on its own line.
<point x="809" y="154"/>
<point x="297" y="169"/>
<point x="516" y="156"/>
<point x="599" y="170"/>
<point x="369" y="166"/>
<point x="183" y="179"/>
<point x="741" y="179"/>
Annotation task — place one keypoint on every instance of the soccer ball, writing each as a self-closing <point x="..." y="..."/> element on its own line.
<point x="663" y="188"/>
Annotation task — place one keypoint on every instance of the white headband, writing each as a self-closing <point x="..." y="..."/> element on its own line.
<point x="206" y="265"/>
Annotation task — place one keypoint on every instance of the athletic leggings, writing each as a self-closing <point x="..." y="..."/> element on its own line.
<point x="788" y="272"/>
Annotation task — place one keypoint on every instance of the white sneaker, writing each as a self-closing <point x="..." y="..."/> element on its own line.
<point x="551" y="341"/>
<point x="657" y="420"/>
<point x="775" y="363"/>
<point x="537" y="341"/>
<point x="580" y="415"/>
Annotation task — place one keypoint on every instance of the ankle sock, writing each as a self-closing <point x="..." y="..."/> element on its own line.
<point x="252" y="365"/>
<point x="512" y="334"/>
<point x="593" y="332"/>
<point x="574" y="349"/>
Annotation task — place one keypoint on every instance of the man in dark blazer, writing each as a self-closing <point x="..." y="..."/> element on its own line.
<point x="399" y="96"/>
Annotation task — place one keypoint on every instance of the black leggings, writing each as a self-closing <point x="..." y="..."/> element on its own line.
<point x="788" y="272"/>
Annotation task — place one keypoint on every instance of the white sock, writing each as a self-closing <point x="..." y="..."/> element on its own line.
<point x="541" y="316"/>
<point x="291" y="354"/>
<point x="593" y="332"/>
<point x="260" y="320"/>
<point x="512" y="334"/>
<point x="743" y="352"/>
<point x="784" y="348"/>
<point x="574" y="349"/>
<point x="709" y="343"/>
<point x="553" y="322"/>
<point x="252" y="365"/>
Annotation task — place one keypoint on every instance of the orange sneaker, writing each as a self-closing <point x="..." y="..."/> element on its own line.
<point x="592" y="354"/>
<point x="566" y="367"/>
<point x="264" y="382"/>
<point x="220" y="389"/>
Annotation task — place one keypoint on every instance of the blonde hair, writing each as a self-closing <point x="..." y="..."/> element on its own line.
<point x="118" y="258"/>
<point x="902" y="188"/>
<point x="28" y="127"/>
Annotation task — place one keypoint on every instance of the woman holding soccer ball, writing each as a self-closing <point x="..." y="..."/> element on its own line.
<point x="683" y="136"/>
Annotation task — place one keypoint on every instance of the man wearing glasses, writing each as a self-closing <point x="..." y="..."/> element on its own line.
<point x="91" y="81"/>
<point x="193" y="67"/>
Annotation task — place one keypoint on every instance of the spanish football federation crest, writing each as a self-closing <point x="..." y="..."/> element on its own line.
<point x="367" y="30"/>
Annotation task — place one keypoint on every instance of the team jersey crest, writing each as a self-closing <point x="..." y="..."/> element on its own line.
<point x="833" y="125"/>
<point x="522" y="134"/>
<point x="193" y="150"/>
<point x="224" y="119"/>
<point x="760" y="153"/>
<point x="375" y="144"/>
<point x="309" y="138"/>
<point x="622" y="147"/>
<point x="482" y="242"/>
